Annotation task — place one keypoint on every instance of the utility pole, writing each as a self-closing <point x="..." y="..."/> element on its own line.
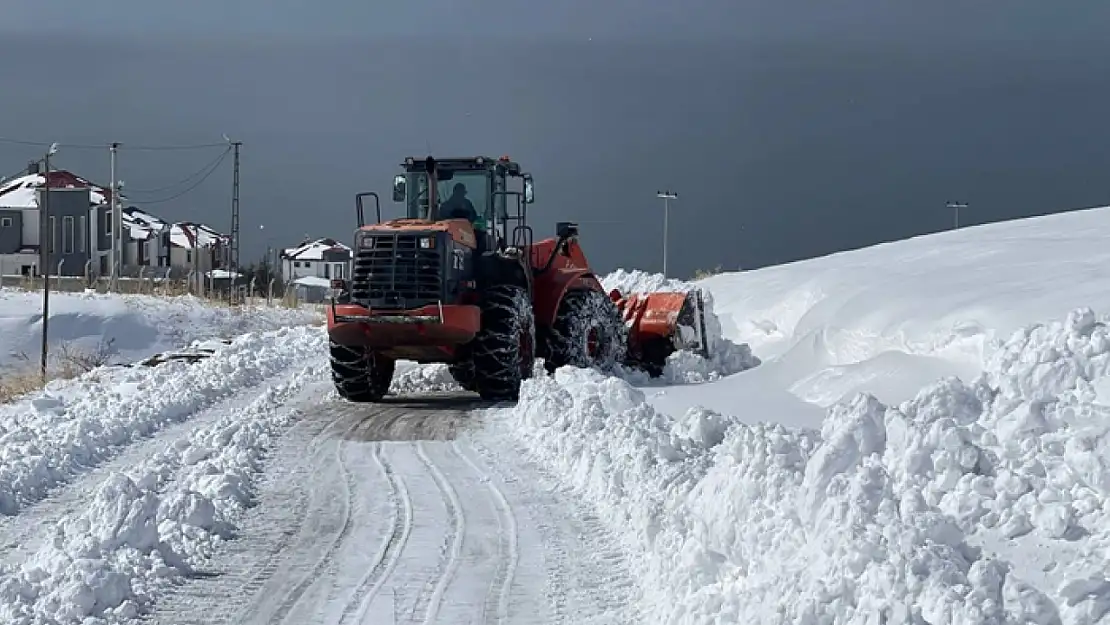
<point x="46" y="239"/>
<point x="233" y="260"/>
<point x="667" y="196"/>
<point x="114" y="258"/>
<point x="956" y="206"/>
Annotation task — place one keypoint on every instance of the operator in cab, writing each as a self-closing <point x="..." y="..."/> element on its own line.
<point x="458" y="206"/>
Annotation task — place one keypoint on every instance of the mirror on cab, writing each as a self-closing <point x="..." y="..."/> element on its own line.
<point x="528" y="197"/>
<point x="399" y="188"/>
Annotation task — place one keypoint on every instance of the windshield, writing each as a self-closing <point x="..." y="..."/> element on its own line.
<point x="465" y="190"/>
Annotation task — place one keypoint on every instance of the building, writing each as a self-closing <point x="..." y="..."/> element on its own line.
<point x="194" y="246"/>
<point x="313" y="264"/>
<point x="322" y="258"/>
<point x="81" y="229"/>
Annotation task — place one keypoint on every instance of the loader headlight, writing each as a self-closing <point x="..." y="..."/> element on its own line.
<point x="426" y="243"/>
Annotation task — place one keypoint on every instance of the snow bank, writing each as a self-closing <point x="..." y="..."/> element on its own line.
<point x="971" y="503"/>
<point x="73" y="425"/>
<point x="127" y="327"/>
<point x="147" y="527"/>
<point x="725" y="357"/>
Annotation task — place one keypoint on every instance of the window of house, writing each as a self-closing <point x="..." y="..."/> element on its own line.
<point x="53" y="234"/>
<point x="5" y="222"/>
<point x="67" y="234"/>
<point x="81" y="234"/>
<point x="327" y="270"/>
<point x="297" y="263"/>
<point x="108" y="223"/>
<point x="307" y="265"/>
<point x="339" y="271"/>
<point x="188" y="256"/>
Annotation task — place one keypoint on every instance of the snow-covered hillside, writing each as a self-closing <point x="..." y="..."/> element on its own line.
<point x="983" y="498"/>
<point x="125" y="328"/>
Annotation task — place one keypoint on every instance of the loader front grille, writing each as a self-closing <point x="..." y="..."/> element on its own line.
<point x="392" y="271"/>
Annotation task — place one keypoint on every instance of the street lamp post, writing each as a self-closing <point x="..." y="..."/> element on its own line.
<point x="46" y="239"/>
<point x="666" y="196"/>
<point x="956" y="206"/>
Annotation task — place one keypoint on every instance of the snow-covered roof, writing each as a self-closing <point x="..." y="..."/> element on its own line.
<point x="22" y="192"/>
<point x="193" y="236"/>
<point x="313" y="281"/>
<point x="222" y="274"/>
<point x="142" y="225"/>
<point x="314" y="250"/>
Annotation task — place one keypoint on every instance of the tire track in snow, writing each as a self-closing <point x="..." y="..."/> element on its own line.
<point x="228" y="601"/>
<point x="385" y="562"/>
<point x="585" y="573"/>
<point x="508" y="548"/>
<point x="311" y="577"/>
<point x="454" y="536"/>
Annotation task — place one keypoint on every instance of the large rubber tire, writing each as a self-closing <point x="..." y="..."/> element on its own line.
<point x="588" y="332"/>
<point x="504" y="350"/>
<point x="360" y="375"/>
<point x="463" y="371"/>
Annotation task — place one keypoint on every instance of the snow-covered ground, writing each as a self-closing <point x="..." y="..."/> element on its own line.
<point x="911" y="433"/>
<point x="925" y="440"/>
<point x="125" y="328"/>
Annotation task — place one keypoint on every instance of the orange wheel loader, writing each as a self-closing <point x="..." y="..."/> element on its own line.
<point x="459" y="280"/>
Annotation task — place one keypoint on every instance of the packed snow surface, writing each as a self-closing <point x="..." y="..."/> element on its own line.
<point x="123" y="328"/>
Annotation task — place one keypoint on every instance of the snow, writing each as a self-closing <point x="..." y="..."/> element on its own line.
<point x="313" y="281"/>
<point x="193" y="236"/>
<point x="125" y="328"/>
<point x="142" y="225"/>
<point x="916" y="432"/>
<point x="149" y="526"/>
<point x="314" y="250"/>
<point x="23" y="192"/>
<point x="924" y="439"/>
<point x="222" y="274"/>
<point x="48" y="437"/>
<point x="881" y="511"/>
<point x="891" y="318"/>
<point x="725" y="356"/>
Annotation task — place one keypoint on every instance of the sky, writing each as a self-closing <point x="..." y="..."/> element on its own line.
<point x="788" y="129"/>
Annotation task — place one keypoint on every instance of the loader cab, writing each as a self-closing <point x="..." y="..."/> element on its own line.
<point x="484" y="183"/>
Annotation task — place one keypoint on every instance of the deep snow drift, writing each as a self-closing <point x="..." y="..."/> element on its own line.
<point x="891" y="318"/>
<point x="127" y="327"/>
<point x="967" y="483"/>
<point x="879" y="515"/>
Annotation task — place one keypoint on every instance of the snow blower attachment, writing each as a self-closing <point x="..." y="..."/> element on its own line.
<point x="459" y="280"/>
<point x="660" y="324"/>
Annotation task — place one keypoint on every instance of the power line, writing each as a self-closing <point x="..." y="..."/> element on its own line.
<point x="186" y="179"/>
<point x="102" y="146"/>
<point x="211" y="170"/>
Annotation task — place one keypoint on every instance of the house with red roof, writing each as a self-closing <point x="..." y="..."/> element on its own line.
<point x="80" y="231"/>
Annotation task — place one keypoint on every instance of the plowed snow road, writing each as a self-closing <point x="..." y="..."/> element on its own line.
<point x="390" y="513"/>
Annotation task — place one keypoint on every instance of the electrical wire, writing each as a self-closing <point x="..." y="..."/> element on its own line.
<point x="211" y="170"/>
<point x="184" y="180"/>
<point x="122" y="146"/>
